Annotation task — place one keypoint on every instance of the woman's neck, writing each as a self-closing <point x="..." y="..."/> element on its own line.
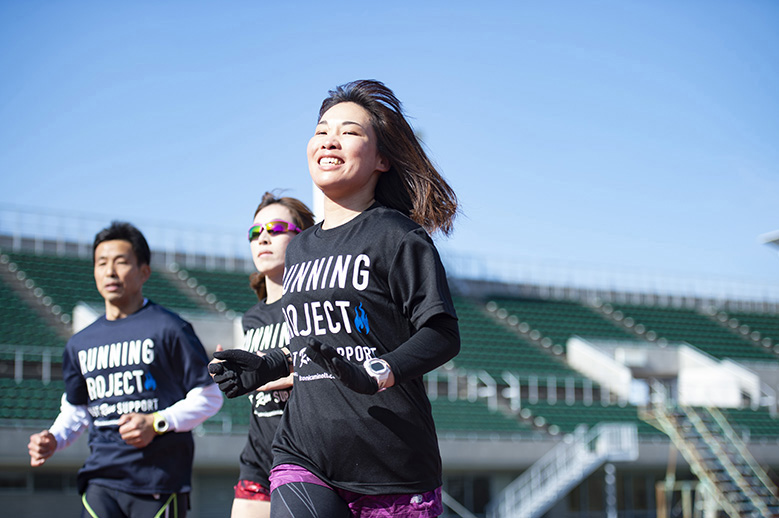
<point x="336" y="213"/>
<point x="273" y="289"/>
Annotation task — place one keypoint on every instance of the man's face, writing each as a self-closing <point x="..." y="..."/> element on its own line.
<point x="118" y="275"/>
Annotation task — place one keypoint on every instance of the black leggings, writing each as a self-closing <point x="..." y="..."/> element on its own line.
<point x="305" y="500"/>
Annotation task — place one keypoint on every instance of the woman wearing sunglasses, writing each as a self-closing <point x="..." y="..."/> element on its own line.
<point x="276" y="222"/>
<point x="369" y="312"/>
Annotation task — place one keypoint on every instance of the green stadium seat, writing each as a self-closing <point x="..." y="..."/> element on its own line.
<point x="231" y="288"/>
<point x="758" y="423"/>
<point x="21" y="325"/>
<point x="559" y="320"/>
<point x="487" y="345"/>
<point x="70" y="280"/>
<point x="766" y="326"/>
<point x="465" y="417"/>
<point x="568" y="416"/>
<point x="235" y="411"/>
<point x="687" y="325"/>
<point x="30" y="400"/>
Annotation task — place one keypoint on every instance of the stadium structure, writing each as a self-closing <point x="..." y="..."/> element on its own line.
<point x="568" y="399"/>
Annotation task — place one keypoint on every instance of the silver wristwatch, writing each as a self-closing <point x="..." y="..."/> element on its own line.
<point x="379" y="370"/>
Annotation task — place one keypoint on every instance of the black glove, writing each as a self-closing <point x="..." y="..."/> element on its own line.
<point x="353" y="376"/>
<point x="242" y="371"/>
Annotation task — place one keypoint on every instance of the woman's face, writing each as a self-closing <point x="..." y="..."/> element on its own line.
<point x="343" y="157"/>
<point x="268" y="251"/>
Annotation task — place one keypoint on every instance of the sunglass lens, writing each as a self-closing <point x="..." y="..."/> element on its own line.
<point x="255" y="232"/>
<point x="276" y="227"/>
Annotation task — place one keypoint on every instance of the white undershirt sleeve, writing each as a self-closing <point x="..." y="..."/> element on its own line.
<point x="69" y="424"/>
<point x="199" y="404"/>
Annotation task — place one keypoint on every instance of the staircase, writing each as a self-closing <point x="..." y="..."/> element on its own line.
<point x="562" y="468"/>
<point x="718" y="457"/>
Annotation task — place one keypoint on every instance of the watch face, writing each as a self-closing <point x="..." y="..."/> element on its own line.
<point x="377" y="366"/>
<point x="161" y="425"/>
<point x="379" y="370"/>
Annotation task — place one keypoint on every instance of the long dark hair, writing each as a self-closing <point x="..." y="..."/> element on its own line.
<point x="301" y="216"/>
<point x="412" y="184"/>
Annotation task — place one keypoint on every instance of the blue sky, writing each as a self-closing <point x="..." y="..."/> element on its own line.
<point x="610" y="135"/>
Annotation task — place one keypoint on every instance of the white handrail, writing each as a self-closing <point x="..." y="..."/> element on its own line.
<point x="533" y="492"/>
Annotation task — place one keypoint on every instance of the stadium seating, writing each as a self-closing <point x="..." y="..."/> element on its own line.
<point x="20" y="325"/>
<point x="67" y="280"/>
<point x="687" y="325"/>
<point x="162" y="291"/>
<point x="463" y="416"/>
<point x="449" y="416"/>
<point x="558" y="320"/>
<point x="523" y="336"/>
<point x="231" y="288"/>
<point x="568" y="416"/>
<point x="70" y="280"/>
<point x="30" y="400"/>
<point x="232" y="417"/>
<point x="487" y="345"/>
<point x="757" y="423"/>
<point x="765" y="325"/>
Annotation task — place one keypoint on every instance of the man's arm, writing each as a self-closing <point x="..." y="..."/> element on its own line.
<point x="69" y="425"/>
<point x="199" y="404"/>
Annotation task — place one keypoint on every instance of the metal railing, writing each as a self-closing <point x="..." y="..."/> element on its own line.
<point x="554" y="474"/>
<point x="38" y="224"/>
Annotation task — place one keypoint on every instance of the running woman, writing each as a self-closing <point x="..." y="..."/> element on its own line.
<point x="369" y="312"/>
<point x="277" y="220"/>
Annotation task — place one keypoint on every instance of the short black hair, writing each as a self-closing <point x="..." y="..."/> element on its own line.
<point x="124" y="231"/>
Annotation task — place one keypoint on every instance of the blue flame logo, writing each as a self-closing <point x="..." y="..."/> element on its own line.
<point x="361" y="321"/>
<point x="149" y="383"/>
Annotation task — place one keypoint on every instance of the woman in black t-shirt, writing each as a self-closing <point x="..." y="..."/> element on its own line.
<point x="369" y="312"/>
<point x="276" y="221"/>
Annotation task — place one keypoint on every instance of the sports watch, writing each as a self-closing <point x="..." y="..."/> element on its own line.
<point x="160" y="424"/>
<point x="379" y="370"/>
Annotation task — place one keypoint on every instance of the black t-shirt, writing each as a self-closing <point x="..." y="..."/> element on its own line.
<point x="364" y="288"/>
<point x="264" y="329"/>
<point x="142" y="363"/>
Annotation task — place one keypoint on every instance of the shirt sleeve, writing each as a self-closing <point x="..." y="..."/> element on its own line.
<point x="69" y="424"/>
<point x="418" y="286"/>
<point x="75" y="386"/>
<point x="201" y="396"/>
<point x="417" y="279"/>
<point x="199" y="404"/>
<point x="435" y="344"/>
<point x="189" y="358"/>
